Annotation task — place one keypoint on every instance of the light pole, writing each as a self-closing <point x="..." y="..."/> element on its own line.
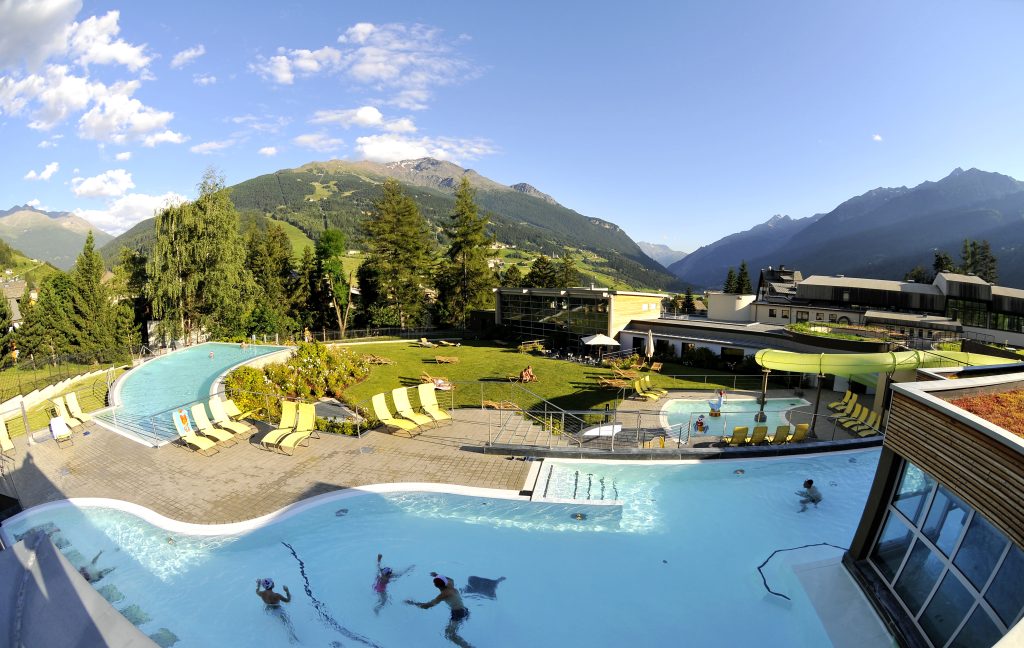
<point x="761" y="417"/>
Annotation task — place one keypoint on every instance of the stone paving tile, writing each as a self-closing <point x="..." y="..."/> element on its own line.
<point x="243" y="481"/>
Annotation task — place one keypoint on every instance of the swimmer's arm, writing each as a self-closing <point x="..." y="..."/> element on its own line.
<point x="429" y="604"/>
<point x="289" y="599"/>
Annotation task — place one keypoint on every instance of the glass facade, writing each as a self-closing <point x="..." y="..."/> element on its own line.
<point x="955" y="575"/>
<point x="562" y="319"/>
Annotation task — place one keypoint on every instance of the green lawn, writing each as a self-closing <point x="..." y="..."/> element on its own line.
<point x="483" y="371"/>
<point x="92" y="395"/>
<point x="296" y="237"/>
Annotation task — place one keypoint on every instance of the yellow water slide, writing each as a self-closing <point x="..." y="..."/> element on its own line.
<point x="858" y="364"/>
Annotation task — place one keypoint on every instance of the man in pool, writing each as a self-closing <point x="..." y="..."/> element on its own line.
<point x="809" y="495"/>
<point x="272" y="602"/>
<point x="91" y="574"/>
<point x="451" y="596"/>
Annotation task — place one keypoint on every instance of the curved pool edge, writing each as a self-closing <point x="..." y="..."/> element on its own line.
<point x="235" y="528"/>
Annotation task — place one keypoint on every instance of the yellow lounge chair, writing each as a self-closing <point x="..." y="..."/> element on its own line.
<point x="840" y="404"/>
<point x="6" y="445"/>
<point x="860" y="420"/>
<point x="643" y="393"/>
<point x="781" y="434"/>
<point x="60" y="431"/>
<point x="800" y="434"/>
<point x="75" y="408"/>
<point x="289" y="410"/>
<point x="759" y="434"/>
<point x="739" y="436"/>
<point x="190" y="439"/>
<point x="848" y="410"/>
<point x="383" y="414"/>
<point x="207" y="429"/>
<point x="854" y="415"/>
<point x="645" y="382"/>
<point x="232" y="410"/>
<point x="62" y="412"/>
<point x="400" y="396"/>
<point x="870" y="424"/>
<point x="305" y="427"/>
<point x="428" y="402"/>
<point x="656" y="442"/>
<point x="221" y="419"/>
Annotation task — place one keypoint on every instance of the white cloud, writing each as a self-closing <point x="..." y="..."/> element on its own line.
<point x="209" y="147"/>
<point x="283" y="67"/>
<point x="357" y="33"/>
<point x="35" y="202"/>
<point x="164" y="137"/>
<point x="391" y="148"/>
<point x="268" y="151"/>
<point x="204" y="79"/>
<point x="366" y="117"/>
<point x="876" y="137"/>
<point x="93" y="42"/>
<point x="184" y="57"/>
<point x="50" y="143"/>
<point x="120" y="214"/>
<point x="57" y="95"/>
<point x="318" y="142"/>
<point x="263" y="124"/>
<point x="34" y="31"/>
<point x="117" y="118"/>
<point x="45" y="174"/>
<point x="114" y="182"/>
<point x="123" y="156"/>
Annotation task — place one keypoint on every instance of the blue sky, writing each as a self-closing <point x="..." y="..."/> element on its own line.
<point x="681" y="122"/>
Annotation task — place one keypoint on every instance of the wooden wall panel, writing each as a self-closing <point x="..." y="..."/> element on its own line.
<point x="983" y="472"/>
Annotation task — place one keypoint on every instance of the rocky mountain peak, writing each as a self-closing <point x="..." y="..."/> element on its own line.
<point x="530" y="190"/>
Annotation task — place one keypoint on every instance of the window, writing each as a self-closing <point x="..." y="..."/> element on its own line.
<point x="802" y="316"/>
<point x="846" y="295"/>
<point x="785" y="313"/>
<point x="818" y="317"/>
<point x="891" y="547"/>
<point x="832" y="317"/>
<point x="643" y="307"/>
<point x="771" y="312"/>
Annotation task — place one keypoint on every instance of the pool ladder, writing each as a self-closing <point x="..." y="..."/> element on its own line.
<point x="587" y="487"/>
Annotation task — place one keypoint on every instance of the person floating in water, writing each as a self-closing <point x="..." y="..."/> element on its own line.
<point x="91" y="574"/>
<point x="459" y="612"/>
<point x="272" y="601"/>
<point x="380" y="585"/>
<point x="211" y="355"/>
<point x="809" y="495"/>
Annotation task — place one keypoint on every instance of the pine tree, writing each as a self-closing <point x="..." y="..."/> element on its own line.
<point x="918" y="274"/>
<point x="730" y="282"/>
<point x="568" y="273"/>
<point x="269" y="261"/>
<point x="302" y="306"/>
<point x="942" y="262"/>
<point x="128" y="287"/>
<point x="395" y="272"/>
<point x="985" y="263"/>
<point x="542" y="274"/>
<point x="743" y="286"/>
<point x="464" y="281"/>
<point x="513" y="277"/>
<point x="92" y="312"/>
<point x="688" y="303"/>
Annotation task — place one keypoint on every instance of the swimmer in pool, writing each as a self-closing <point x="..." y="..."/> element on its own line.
<point x="380" y="585"/>
<point x="272" y="601"/>
<point x="93" y="575"/>
<point x="459" y="611"/>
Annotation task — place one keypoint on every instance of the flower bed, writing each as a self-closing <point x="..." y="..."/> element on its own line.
<point x="1005" y="410"/>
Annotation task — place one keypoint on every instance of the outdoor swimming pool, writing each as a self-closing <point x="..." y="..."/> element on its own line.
<point x="734" y="412"/>
<point x="675" y="565"/>
<point x="175" y="379"/>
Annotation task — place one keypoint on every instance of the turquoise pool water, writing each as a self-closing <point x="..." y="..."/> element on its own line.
<point x="675" y="565"/>
<point x="734" y="412"/>
<point x="172" y="380"/>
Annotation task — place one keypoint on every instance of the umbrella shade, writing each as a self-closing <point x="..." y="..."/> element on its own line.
<point x="649" y="350"/>
<point x="599" y="339"/>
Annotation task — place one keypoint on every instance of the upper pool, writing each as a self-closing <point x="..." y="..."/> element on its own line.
<point x="178" y="378"/>
<point x="734" y="412"/>
<point x="675" y="565"/>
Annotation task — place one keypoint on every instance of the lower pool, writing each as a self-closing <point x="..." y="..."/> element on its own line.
<point x="734" y="412"/>
<point x="676" y="564"/>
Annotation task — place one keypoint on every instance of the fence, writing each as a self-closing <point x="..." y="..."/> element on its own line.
<point x="33" y="372"/>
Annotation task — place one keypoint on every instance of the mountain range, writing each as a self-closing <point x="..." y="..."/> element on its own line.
<point x="661" y="253"/>
<point x="880" y="234"/>
<point x="54" y="237"/>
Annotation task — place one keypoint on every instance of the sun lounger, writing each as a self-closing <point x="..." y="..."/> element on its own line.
<point x="428" y="403"/>
<point x="220" y="417"/>
<point x="449" y="344"/>
<point x="645" y="382"/>
<point x="207" y="429"/>
<point x="625" y="373"/>
<point x="840" y="404"/>
<point x="400" y="396"/>
<point x="188" y="437"/>
<point x="870" y="424"/>
<point x="860" y="420"/>
<point x="446" y="360"/>
<point x="424" y="342"/>
<point x="739" y="436"/>
<point x="656" y="442"/>
<point x="75" y="409"/>
<point x="800" y="434"/>
<point x="289" y="411"/>
<point x="60" y="432"/>
<point x="614" y="383"/>
<point x="62" y="412"/>
<point x="655" y="366"/>
<point x="499" y="405"/>
<point x="848" y="410"/>
<point x="643" y="393"/>
<point x="232" y="410"/>
<point x="305" y="428"/>
<point x="854" y="415"/>
<point x="439" y="382"/>
<point x="781" y="434"/>
<point x="6" y="445"/>
<point x="759" y="434"/>
<point x="383" y="414"/>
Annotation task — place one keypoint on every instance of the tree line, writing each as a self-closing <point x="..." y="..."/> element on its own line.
<point x="976" y="258"/>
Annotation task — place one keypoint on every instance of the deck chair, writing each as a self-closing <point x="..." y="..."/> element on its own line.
<point x="840" y="404"/>
<point x="232" y="410"/>
<point x="207" y="429"/>
<point x="645" y="382"/>
<point x="655" y="366"/>
<point x="799" y="434"/>
<point x="643" y="393"/>
<point x="739" y="436"/>
<point x="60" y="432"/>
<point x="76" y="410"/>
<point x="400" y="396"/>
<point x="848" y="410"/>
<point x="6" y="445"/>
<point x="428" y="403"/>
<point x="289" y="411"/>
<point x="860" y="420"/>
<point x="383" y="414"/>
<point x="854" y="415"/>
<point x="656" y="442"/>
<point x="628" y="374"/>
<point x="424" y="342"/>
<point x="613" y="383"/>
<point x="759" y="435"/>
<point x="781" y="434"/>
<point x="222" y="420"/>
<point x="188" y="437"/>
<point x="62" y="412"/>
<point x="305" y="428"/>
<point x="870" y="424"/>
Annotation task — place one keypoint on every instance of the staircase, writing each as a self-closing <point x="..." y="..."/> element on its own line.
<point x="567" y="483"/>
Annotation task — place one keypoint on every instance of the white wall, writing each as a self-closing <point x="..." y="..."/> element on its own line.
<point x="725" y="307"/>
